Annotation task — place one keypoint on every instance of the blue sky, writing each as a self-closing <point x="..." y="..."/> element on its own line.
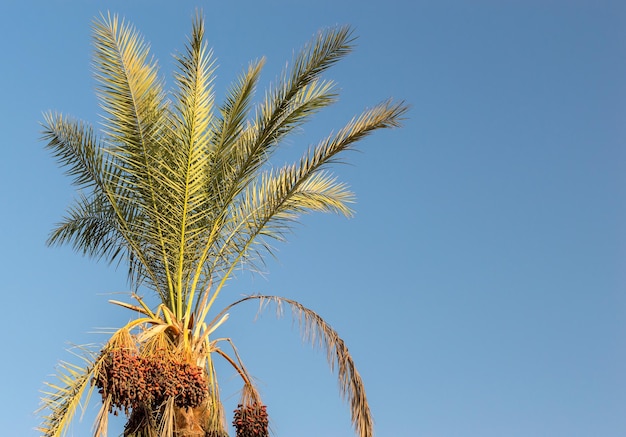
<point x="480" y="286"/>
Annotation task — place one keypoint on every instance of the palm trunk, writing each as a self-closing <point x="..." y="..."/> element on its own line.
<point x="191" y="422"/>
<point x="187" y="422"/>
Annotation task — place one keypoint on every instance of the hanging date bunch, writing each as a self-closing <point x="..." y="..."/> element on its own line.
<point x="251" y="421"/>
<point x="134" y="381"/>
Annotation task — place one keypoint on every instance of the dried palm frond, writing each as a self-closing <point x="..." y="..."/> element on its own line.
<point x="319" y="333"/>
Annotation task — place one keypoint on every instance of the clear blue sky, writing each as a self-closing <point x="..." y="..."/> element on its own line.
<point x="481" y="287"/>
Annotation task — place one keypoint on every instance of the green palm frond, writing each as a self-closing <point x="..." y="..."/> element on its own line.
<point x="91" y="228"/>
<point x="278" y="198"/>
<point x="288" y="103"/>
<point x="234" y="112"/>
<point x="136" y="125"/>
<point x="386" y="115"/>
<point x="188" y="164"/>
<point x="74" y="144"/>
<point x="284" y="108"/>
<point x="129" y="89"/>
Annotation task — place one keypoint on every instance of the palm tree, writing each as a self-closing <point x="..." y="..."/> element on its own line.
<point x="181" y="191"/>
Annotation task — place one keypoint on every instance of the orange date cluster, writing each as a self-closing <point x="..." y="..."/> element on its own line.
<point x="251" y="421"/>
<point x="133" y="381"/>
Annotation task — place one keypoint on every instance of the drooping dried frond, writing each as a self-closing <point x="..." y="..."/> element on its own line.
<point x="250" y="395"/>
<point x="166" y="426"/>
<point x="319" y="333"/>
<point x="101" y="425"/>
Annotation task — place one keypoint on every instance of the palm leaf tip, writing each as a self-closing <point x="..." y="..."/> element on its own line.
<point x="325" y="49"/>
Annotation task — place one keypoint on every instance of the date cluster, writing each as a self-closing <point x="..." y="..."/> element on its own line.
<point x="133" y="381"/>
<point x="251" y="421"/>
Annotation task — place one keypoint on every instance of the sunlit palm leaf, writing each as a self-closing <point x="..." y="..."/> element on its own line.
<point x="74" y="144"/>
<point x="288" y="101"/>
<point x="235" y="110"/>
<point x="63" y="398"/>
<point x="130" y="90"/>
<point x="91" y="228"/>
<point x="131" y="95"/>
<point x="188" y="161"/>
<point x="268" y="207"/>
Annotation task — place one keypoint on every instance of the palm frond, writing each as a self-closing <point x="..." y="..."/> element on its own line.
<point x="166" y="426"/>
<point x="386" y="115"/>
<point x="270" y="206"/>
<point x="129" y="89"/>
<point x="319" y="333"/>
<point x="75" y="146"/>
<point x="101" y="424"/>
<point x="320" y="53"/>
<point x="297" y="95"/>
<point x="188" y="164"/>
<point x="136" y="125"/>
<point x="194" y="97"/>
<point x="277" y="114"/>
<point x="235" y="109"/>
<point x="63" y="398"/>
<point x="91" y="228"/>
<point x="225" y="154"/>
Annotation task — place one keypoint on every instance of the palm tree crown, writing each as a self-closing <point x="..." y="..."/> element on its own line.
<point x="181" y="190"/>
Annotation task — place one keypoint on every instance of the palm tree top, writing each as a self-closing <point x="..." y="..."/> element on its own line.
<point x="180" y="189"/>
